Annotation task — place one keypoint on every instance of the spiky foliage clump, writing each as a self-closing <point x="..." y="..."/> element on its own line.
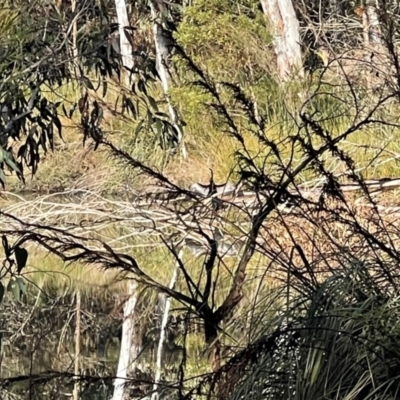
<point x="341" y="341"/>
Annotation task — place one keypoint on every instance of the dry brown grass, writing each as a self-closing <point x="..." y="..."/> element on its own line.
<point x="331" y="240"/>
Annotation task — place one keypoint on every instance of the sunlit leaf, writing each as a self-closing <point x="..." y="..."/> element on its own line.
<point x="11" y="163"/>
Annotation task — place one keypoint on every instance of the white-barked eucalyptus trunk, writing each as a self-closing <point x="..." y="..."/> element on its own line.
<point x="125" y="361"/>
<point x="285" y="29"/>
<point x="371" y="25"/>
<point x="125" y="45"/>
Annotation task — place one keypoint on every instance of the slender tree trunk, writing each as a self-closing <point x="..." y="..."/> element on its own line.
<point x="74" y="52"/>
<point x="165" y="305"/>
<point x="74" y="32"/>
<point x="125" y="45"/>
<point x="285" y="29"/>
<point x="126" y="342"/>
<point x="124" y="363"/>
<point x="372" y="31"/>
<point x="162" y="58"/>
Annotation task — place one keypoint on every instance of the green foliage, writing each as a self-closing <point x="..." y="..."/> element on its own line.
<point x="225" y="38"/>
<point x="341" y="342"/>
<point x="228" y="40"/>
<point x="29" y="121"/>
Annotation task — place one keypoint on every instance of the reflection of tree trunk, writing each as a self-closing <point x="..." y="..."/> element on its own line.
<point x="214" y="344"/>
<point x="77" y="342"/>
<point x="165" y="304"/>
<point x="124" y="362"/>
<point x="285" y="29"/>
<point x="163" y="55"/>
<point x="136" y="346"/>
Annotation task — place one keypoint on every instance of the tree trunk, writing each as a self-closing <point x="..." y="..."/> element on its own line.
<point x="125" y="45"/>
<point x="165" y="304"/>
<point x="124" y="363"/>
<point x="74" y="52"/>
<point x="285" y="29"/>
<point x="372" y="32"/>
<point x="163" y="55"/>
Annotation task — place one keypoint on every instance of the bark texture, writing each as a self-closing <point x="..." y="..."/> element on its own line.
<point x="285" y="29"/>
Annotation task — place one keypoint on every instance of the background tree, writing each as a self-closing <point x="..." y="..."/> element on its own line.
<point x="285" y="27"/>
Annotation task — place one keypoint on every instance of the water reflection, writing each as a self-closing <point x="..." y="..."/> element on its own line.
<point x="98" y="367"/>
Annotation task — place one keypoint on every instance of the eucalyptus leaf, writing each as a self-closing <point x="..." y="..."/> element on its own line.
<point x="2" y="178"/>
<point x="139" y="127"/>
<point x="21" y="257"/>
<point x="65" y="111"/>
<point x="153" y="103"/>
<point x="159" y="127"/>
<point x="6" y="246"/>
<point x="1" y="292"/>
<point x="150" y="118"/>
<point x="87" y="82"/>
<point x="11" y="163"/>
<point x="104" y="87"/>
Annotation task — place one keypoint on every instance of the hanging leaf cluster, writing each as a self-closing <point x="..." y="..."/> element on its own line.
<point x="16" y="258"/>
<point x="30" y="121"/>
<point x="36" y="55"/>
